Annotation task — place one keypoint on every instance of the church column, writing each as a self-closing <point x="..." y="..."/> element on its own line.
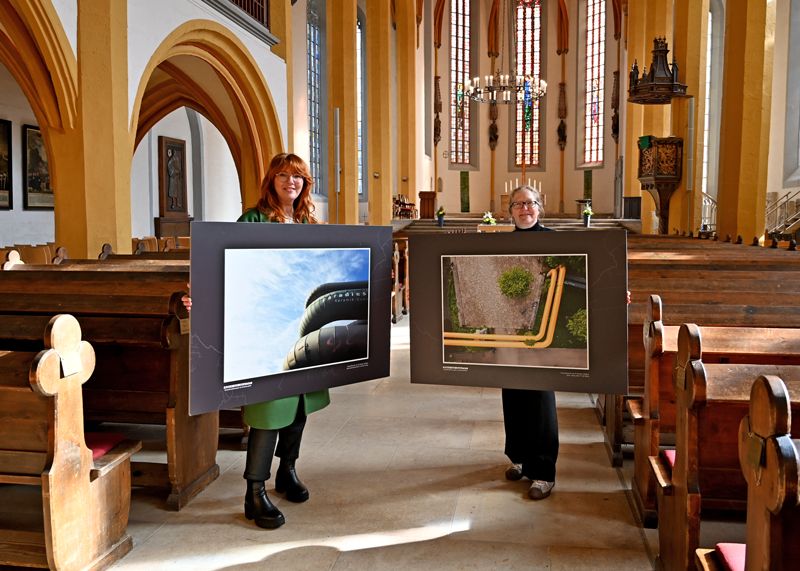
<point x="407" y="99"/>
<point x="655" y="118"/>
<point x="637" y="51"/>
<point x="341" y="19"/>
<point x="379" y="109"/>
<point x="746" y="105"/>
<point x="103" y="114"/>
<point x="689" y="49"/>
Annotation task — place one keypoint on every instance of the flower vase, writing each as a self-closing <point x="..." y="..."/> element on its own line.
<point x="587" y="220"/>
<point x="440" y="220"/>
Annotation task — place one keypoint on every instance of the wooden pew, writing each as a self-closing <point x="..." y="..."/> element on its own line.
<point x="654" y="413"/>
<point x="729" y="293"/>
<point x="769" y="459"/>
<point x="133" y="316"/>
<point x="59" y="507"/>
<point x="711" y="401"/>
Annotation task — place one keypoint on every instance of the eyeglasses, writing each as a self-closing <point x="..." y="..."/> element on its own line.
<point x="526" y="203"/>
<point x="286" y="176"/>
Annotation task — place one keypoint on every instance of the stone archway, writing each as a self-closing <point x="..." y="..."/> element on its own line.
<point x="203" y="66"/>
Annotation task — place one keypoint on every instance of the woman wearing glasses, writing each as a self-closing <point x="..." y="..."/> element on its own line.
<point x="529" y="417"/>
<point x="285" y="198"/>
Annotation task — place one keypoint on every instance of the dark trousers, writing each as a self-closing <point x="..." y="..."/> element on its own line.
<point x="531" y="427"/>
<point x="261" y="446"/>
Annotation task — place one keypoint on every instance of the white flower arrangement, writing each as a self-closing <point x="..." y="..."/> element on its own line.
<point x="488" y="218"/>
<point x="587" y="211"/>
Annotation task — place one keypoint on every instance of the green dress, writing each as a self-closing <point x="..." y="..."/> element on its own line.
<point x="274" y="414"/>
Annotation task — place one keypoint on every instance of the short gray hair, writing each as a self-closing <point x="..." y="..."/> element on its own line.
<point x="537" y="196"/>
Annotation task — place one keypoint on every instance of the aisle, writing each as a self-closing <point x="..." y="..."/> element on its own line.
<point x="409" y="477"/>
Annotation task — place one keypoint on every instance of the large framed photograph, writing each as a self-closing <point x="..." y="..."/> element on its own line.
<point x="37" y="193"/>
<point x="172" y="177"/>
<point x="6" y="189"/>
<point x="528" y="310"/>
<point x="285" y="309"/>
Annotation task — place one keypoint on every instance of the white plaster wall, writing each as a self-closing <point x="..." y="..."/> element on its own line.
<point x="424" y="172"/>
<point x="222" y="201"/>
<point x="18" y="226"/>
<point x="780" y="70"/>
<point x="67" y="11"/>
<point x="144" y="172"/>
<point x="151" y="21"/>
<point x="299" y="106"/>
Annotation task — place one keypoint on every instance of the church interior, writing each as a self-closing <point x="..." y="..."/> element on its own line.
<point x="675" y="122"/>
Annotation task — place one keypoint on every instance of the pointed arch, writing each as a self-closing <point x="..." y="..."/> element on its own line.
<point x="493" y="47"/>
<point x="35" y="49"/>
<point x="229" y="89"/>
<point x="438" y="15"/>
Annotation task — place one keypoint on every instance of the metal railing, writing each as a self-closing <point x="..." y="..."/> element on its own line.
<point x="778" y="218"/>
<point x="708" y="215"/>
<point x="256" y="9"/>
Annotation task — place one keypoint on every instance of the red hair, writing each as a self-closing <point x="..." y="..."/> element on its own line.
<point x="303" y="206"/>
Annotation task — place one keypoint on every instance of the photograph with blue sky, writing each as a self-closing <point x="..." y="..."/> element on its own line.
<point x="265" y="298"/>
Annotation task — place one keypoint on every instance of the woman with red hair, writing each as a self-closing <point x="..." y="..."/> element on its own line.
<point x="276" y="427"/>
<point x="285" y="198"/>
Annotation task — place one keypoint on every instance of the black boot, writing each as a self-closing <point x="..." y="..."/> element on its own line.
<point x="286" y="480"/>
<point x="258" y="507"/>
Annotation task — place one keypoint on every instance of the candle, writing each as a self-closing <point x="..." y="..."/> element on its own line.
<point x="529" y="181"/>
<point x="505" y="187"/>
<point x="516" y="182"/>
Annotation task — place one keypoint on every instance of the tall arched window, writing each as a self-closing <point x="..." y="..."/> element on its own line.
<point x="315" y="46"/>
<point x="594" y="81"/>
<point x="528" y="63"/>
<point x="713" y="103"/>
<point x="360" y="104"/>
<point x="460" y="36"/>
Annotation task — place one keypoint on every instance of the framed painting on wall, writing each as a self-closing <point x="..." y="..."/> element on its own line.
<point x="36" y="191"/>
<point x="172" y="177"/>
<point x="6" y="192"/>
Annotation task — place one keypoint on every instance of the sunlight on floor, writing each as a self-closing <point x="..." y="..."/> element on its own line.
<point x="242" y="556"/>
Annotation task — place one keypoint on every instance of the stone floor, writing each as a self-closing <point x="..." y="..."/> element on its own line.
<point x="409" y="477"/>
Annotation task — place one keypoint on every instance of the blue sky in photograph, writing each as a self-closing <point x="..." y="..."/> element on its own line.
<point x="265" y="296"/>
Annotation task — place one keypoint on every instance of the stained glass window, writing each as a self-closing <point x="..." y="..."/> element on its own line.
<point x="314" y="83"/>
<point x="528" y="64"/>
<point x="594" y="87"/>
<point x="459" y="73"/>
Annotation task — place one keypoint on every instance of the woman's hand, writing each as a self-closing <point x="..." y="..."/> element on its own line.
<point x="628" y="298"/>
<point x="187" y="299"/>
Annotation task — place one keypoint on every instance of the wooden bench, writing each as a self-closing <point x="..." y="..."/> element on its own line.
<point x="769" y="460"/>
<point x="133" y="316"/>
<point x="59" y="507"/>
<point x="745" y="291"/>
<point x="704" y="470"/>
<point x="654" y="414"/>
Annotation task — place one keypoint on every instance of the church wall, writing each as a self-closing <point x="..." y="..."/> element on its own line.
<point x="19" y="226"/>
<point x="222" y="199"/>
<point x="549" y="173"/>
<point x="151" y="21"/>
<point x="68" y="14"/>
